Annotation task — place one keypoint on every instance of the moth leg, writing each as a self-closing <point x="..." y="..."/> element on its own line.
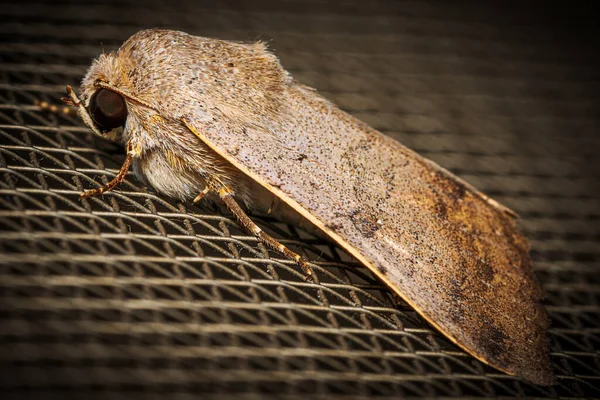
<point x="201" y="195"/>
<point x="74" y="101"/>
<point x="273" y="206"/>
<point x="268" y="240"/>
<point x="117" y="179"/>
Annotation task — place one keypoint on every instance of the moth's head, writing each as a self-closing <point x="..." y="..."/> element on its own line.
<point x="104" y="105"/>
<point x="174" y="75"/>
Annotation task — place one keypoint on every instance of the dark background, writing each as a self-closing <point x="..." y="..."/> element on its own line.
<point x="135" y="295"/>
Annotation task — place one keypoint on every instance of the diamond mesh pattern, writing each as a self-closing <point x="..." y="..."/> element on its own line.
<point x="133" y="294"/>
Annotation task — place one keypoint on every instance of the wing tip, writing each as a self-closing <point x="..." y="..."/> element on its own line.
<point x="531" y="357"/>
<point x="541" y="375"/>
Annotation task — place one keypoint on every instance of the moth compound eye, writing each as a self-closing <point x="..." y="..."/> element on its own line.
<point x="107" y="109"/>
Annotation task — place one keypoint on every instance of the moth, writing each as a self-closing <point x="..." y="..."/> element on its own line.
<point x="202" y="117"/>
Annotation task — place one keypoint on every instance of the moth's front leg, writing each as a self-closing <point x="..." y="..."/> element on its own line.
<point x="132" y="151"/>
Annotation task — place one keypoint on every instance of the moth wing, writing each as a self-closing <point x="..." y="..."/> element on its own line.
<point x="443" y="247"/>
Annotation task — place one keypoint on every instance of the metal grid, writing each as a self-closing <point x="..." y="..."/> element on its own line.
<point x="133" y="294"/>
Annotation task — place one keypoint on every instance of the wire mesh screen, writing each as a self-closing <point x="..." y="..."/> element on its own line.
<point x="134" y="294"/>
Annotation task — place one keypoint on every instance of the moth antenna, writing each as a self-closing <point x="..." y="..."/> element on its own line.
<point x="105" y="85"/>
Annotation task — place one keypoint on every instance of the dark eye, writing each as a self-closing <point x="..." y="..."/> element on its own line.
<point x="108" y="109"/>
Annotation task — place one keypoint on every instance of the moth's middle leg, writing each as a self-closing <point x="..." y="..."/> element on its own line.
<point x="254" y="229"/>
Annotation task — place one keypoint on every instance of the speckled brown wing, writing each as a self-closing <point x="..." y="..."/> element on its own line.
<point x="457" y="259"/>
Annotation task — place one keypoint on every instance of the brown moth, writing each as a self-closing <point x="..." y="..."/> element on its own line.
<point x="204" y="117"/>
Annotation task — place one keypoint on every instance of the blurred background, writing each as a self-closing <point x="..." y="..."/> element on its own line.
<point x="136" y="295"/>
